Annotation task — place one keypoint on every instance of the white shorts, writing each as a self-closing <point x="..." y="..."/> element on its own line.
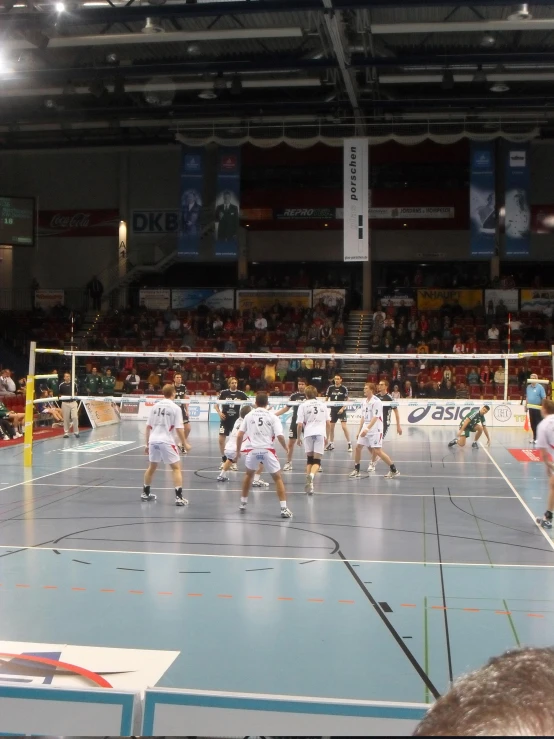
<point x="373" y="440"/>
<point x="262" y="456"/>
<point x="314" y="444"/>
<point x="163" y="451"/>
<point x="231" y="453"/>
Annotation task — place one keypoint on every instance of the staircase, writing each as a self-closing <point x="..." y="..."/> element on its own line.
<point x="354" y="373"/>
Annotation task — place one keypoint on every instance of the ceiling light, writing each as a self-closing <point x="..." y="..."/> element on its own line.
<point x="521" y="14"/>
<point x="49" y="103"/>
<point x="488" y="40"/>
<point x="193" y="49"/>
<point x="59" y="7"/>
<point x="152" y="26"/>
<point x="112" y="58"/>
<point x="499" y="87"/>
<point x="236" y="85"/>
<point x="207" y="95"/>
<point x="447" y="82"/>
<point x="479" y="77"/>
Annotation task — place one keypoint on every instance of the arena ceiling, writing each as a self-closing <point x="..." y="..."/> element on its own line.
<point x="89" y="72"/>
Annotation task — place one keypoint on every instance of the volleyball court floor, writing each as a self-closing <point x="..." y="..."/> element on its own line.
<point x="376" y="589"/>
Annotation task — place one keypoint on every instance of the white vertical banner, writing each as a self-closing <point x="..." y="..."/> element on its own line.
<point x="356" y="200"/>
<point x="122" y="249"/>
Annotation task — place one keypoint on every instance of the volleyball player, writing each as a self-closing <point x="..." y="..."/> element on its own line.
<point x="164" y="418"/>
<point x="313" y="419"/>
<point x="180" y="394"/>
<point x="337" y="392"/>
<point x="473" y="423"/>
<point x="296" y="397"/>
<point x="231" y="453"/>
<point x="259" y="430"/>
<point x="545" y="445"/>
<point x="384" y="397"/>
<point x="228" y="413"/>
<point x="371" y="432"/>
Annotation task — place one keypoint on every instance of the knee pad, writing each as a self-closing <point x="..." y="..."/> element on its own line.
<point x="310" y="459"/>
<point x="224" y="458"/>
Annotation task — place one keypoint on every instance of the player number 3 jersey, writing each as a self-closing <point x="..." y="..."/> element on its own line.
<point x="164" y="417"/>
<point x="373" y="409"/>
<point x="313" y="414"/>
<point x="260" y="427"/>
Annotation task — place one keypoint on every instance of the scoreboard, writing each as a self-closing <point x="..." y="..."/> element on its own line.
<point x="17" y="221"/>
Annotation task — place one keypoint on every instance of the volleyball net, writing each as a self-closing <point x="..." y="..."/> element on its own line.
<point x="114" y="387"/>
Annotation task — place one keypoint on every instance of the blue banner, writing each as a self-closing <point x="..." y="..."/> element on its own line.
<point x="227" y="203"/>
<point x="482" y="201"/>
<point x="192" y="178"/>
<point x="518" y="210"/>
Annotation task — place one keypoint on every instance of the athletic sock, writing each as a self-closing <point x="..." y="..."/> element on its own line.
<point x="548" y="515"/>
<point x="179" y="492"/>
<point x="312" y="475"/>
<point x="256" y="478"/>
<point x="357" y="467"/>
<point x="244" y="500"/>
<point x="393" y="468"/>
<point x="283" y="504"/>
<point x="146" y="489"/>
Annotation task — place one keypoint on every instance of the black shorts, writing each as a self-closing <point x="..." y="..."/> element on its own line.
<point x="385" y="429"/>
<point x="186" y="418"/>
<point x="293" y="431"/>
<point x="227" y="425"/>
<point x="335" y="414"/>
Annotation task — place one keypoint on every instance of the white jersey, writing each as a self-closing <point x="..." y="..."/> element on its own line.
<point x="260" y="428"/>
<point x="164" y="417"/>
<point x="373" y="409"/>
<point x="231" y="442"/>
<point x="545" y="434"/>
<point x="314" y="415"/>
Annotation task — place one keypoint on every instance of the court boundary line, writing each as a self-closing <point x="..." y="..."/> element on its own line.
<point x="518" y="496"/>
<point x="293" y="559"/>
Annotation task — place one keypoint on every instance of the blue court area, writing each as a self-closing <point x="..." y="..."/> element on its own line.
<point x="375" y="590"/>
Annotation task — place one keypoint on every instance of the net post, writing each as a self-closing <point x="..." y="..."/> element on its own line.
<point x="29" y="408"/>
<point x="506" y="369"/>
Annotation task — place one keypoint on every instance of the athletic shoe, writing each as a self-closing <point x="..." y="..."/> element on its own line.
<point x="286" y="513"/>
<point x="76" y="436"/>
<point x="390" y="474"/>
<point x="546" y="523"/>
<point x="475" y="445"/>
<point x="17" y="435"/>
<point x="148" y="496"/>
<point x="222" y="478"/>
<point x="287" y="467"/>
<point x="309" y="484"/>
<point x="349" y="447"/>
<point x="320" y="469"/>
<point x="260" y="484"/>
<point x="355" y="473"/>
<point x="6" y="437"/>
<point x="330" y="446"/>
<point x="234" y="468"/>
<point x="532" y="441"/>
<point x="180" y="501"/>
<point x="242" y="507"/>
<point x="453" y="442"/>
<point x="66" y="436"/>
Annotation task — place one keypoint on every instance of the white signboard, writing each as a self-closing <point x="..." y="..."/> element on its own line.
<point x="329" y="296"/>
<point x="137" y="409"/>
<point x="355" y="193"/>
<point x="48" y="299"/>
<point x="510" y="298"/>
<point x="155" y="299"/>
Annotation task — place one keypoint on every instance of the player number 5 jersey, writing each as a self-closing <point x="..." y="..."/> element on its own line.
<point x="313" y="414"/>
<point x="164" y="417"/>
<point x="373" y="409"/>
<point x="260" y="427"/>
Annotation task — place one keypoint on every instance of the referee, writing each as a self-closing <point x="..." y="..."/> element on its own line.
<point x="534" y="395"/>
<point x="69" y="406"/>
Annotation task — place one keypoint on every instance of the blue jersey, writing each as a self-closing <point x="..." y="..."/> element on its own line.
<point x="535" y="395"/>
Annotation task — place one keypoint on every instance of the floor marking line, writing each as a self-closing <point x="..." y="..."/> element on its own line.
<point x="408" y="605"/>
<point x="78" y="588"/>
<point x="194" y="595"/>
<point x="315" y="600"/>
<point x="254" y="597"/>
<point x="535" y="615"/>
<point x="49" y="587"/>
<point x="107" y="590"/>
<point x="22" y="586"/>
<point x="443" y="590"/>
<point x="472" y="610"/>
<point x="224" y="596"/>
<point x="346" y="601"/>
<point x="166" y="593"/>
<point x="504" y="613"/>
<point x="295" y="559"/>
<point x="285" y="598"/>
<point x="523" y="503"/>
<point x="137" y="592"/>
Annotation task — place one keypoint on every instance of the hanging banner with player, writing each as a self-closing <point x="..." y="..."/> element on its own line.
<point x="518" y="211"/>
<point x="356" y="200"/>
<point x="482" y="201"/>
<point x="227" y="203"/>
<point x="192" y="178"/>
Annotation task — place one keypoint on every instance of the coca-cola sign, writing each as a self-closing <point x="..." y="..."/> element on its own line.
<point x="78" y="223"/>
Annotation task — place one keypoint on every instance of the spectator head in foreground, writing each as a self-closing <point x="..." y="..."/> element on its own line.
<point x="509" y="696"/>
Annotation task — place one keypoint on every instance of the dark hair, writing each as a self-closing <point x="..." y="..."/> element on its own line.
<point x="262" y="400"/>
<point x="509" y="696"/>
<point x="487" y="407"/>
<point x="302" y="379"/>
<point x="548" y="405"/>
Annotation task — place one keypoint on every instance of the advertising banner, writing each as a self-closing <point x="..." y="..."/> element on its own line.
<point x="332" y="297"/>
<point x="227" y="203"/>
<point x="159" y="299"/>
<point x="101" y="412"/>
<point x="356" y="200"/>
<point x="299" y="214"/>
<point x="510" y="298"/>
<point x="48" y="299"/>
<point x="192" y="179"/>
<point x="82" y="224"/>
<point x="135" y="409"/>
<point x="146" y="222"/>
<point x="435" y="299"/>
<point x="425" y="213"/>
<point x="264" y="299"/>
<point x="482" y="200"/>
<point x="518" y="212"/>
<point x="538" y="301"/>
<point x="188" y="299"/>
